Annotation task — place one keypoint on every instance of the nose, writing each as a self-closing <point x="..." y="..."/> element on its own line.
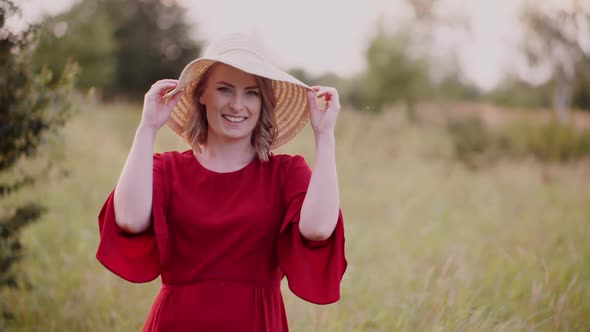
<point x="237" y="104"/>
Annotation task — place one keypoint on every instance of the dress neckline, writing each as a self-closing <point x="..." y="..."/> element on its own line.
<point x="202" y="167"/>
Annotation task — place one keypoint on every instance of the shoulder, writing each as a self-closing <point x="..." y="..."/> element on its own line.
<point x="175" y="155"/>
<point x="178" y="156"/>
<point x="289" y="166"/>
<point x="173" y="159"/>
<point x="287" y="161"/>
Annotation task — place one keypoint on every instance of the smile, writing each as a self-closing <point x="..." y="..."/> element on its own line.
<point x="234" y="119"/>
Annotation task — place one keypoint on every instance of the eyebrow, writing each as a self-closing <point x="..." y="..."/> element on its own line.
<point x="231" y="85"/>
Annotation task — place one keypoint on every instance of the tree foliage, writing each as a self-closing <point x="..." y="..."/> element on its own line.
<point x="554" y="41"/>
<point x="153" y="42"/>
<point x="85" y="34"/>
<point x="403" y="65"/>
<point x="393" y="73"/>
<point x="32" y="107"/>
<point x="581" y="97"/>
<point x="122" y="47"/>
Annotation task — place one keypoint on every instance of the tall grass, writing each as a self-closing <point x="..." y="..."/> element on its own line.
<point x="432" y="245"/>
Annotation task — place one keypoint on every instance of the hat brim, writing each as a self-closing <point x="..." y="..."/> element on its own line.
<point x="291" y="110"/>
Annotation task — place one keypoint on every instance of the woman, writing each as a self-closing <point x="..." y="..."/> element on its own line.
<point x="223" y="222"/>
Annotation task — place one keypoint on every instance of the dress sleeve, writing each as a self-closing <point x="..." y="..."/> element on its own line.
<point x="135" y="257"/>
<point x="314" y="269"/>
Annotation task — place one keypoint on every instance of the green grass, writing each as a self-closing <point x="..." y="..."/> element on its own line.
<point x="431" y="245"/>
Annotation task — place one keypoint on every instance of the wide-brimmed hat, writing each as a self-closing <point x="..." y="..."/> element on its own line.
<point x="246" y="53"/>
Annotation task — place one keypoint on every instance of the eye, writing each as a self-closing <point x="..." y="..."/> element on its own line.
<point x="253" y="93"/>
<point x="223" y="89"/>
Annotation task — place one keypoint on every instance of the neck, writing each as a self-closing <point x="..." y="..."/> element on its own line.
<point x="226" y="156"/>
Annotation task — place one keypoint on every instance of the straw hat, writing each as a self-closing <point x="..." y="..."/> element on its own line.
<point x="247" y="54"/>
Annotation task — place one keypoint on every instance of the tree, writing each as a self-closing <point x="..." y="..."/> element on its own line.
<point x="431" y="18"/>
<point x="515" y="92"/>
<point x="153" y="42"/>
<point x="403" y="65"/>
<point x="85" y="34"/>
<point x="32" y="106"/>
<point x="581" y="97"/>
<point x="393" y="74"/>
<point x="122" y="47"/>
<point x="553" y="41"/>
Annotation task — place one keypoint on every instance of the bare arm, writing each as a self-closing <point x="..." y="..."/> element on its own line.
<point x="319" y="213"/>
<point x="321" y="205"/>
<point x="133" y="194"/>
<point x="134" y="191"/>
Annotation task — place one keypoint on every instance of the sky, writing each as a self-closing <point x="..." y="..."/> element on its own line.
<point x="332" y="35"/>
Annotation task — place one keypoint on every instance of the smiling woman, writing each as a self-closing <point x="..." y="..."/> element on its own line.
<point x="225" y="221"/>
<point x="243" y="101"/>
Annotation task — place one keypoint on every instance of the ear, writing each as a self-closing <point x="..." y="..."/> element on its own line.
<point x="201" y="100"/>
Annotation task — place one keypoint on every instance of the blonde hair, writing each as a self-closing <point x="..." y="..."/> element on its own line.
<point x="195" y="127"/>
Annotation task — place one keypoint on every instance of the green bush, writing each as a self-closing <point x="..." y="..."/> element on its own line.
<point x="470" y="137"/>
<point x="546" y="142"/>
<point x="554" y="142"/>
<point x="32" y="106"/>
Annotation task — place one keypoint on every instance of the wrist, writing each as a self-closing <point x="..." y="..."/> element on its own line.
<point x="145" y="131"/>
<point x="325" y="142"/>
<point x="325" y="137"/>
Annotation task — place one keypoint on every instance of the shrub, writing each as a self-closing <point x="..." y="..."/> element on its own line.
<point x="546" y="142"/>
<point x="470" y="137"/>
<point x="554" y="142"/>
<point x="32" y="106"/>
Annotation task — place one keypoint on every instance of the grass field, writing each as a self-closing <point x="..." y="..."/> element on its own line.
<point x="431" y="245"/>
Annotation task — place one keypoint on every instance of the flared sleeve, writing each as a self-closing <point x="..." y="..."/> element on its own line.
<point x="314" y="269"/>
<point x="136" y="257"/>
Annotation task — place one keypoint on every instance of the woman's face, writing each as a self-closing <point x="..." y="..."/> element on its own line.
<point x="233" y="103"/>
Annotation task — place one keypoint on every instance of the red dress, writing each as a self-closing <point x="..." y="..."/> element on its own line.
<point x="221" y="243"/>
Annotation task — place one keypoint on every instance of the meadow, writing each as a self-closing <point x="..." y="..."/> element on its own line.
<point x="432" y="245"/>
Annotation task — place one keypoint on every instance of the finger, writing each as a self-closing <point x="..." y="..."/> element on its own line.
<point x="160" y="88"/>
<point x="323" y="91"/>
<point x="320" y="91"/>
<point x="312" y="101"/>
<point x="321" y="87"/>
<point x="166" y="80"/>
<point x="330" y="95"/>
<point x="164" y="83"/>
<point x="176" y="97"/>
<point x="166" y="89"/>
<point x="169" y="95"/>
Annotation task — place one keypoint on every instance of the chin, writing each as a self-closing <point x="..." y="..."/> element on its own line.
<point x="237" y="136"/>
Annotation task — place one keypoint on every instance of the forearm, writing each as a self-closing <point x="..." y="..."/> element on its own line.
<point x="133" y="194"/>
<point x="321" y="205"/>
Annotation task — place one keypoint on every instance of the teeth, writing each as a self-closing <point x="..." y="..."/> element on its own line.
<point x="234" y="118"/>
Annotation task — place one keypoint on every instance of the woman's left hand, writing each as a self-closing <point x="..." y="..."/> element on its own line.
<point x="323" y="120"/>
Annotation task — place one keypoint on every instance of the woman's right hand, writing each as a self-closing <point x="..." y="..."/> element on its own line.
<point x="155" y="112"/>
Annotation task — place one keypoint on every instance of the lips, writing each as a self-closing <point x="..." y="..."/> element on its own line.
<point x="234" y="119"/>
